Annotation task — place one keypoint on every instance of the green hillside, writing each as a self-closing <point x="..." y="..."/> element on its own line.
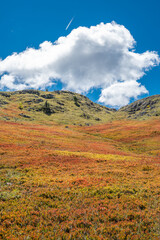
<point x="66" y="107"/>
<point x="60" y="106"/>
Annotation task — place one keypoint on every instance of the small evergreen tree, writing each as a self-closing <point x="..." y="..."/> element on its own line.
<point x="46" y="108"/>
<point x="76" y="101"/>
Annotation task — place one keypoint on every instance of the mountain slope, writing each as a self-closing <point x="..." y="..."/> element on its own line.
<point x="59" y="106"/>
<point x="76" y="182"/>
<point x="66" y="107"/>
<point x="142" y="109"/>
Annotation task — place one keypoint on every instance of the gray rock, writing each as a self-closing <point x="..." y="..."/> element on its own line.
<point x="30" y="91"/>
<point x="84" y="115"/>
<point x="5" y="94"/>
<point x="48" y="96"/>
<point x="97" y="119"/>
<point x="23" y="115"/>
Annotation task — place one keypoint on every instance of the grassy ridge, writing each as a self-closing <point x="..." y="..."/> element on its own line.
<point x="64" y="107"/>
<point x="97" y="182"/>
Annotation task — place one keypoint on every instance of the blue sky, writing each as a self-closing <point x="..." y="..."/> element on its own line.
<point x="26" y="24"/>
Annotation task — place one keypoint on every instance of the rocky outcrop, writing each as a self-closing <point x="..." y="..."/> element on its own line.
<point x="149" y="106"/>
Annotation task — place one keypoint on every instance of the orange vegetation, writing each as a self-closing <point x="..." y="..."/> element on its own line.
<point x="98" y="182"/>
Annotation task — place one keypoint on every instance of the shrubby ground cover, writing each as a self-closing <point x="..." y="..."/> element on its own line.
<point x="96" y="182"/>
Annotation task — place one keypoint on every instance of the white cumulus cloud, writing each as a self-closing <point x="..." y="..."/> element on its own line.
<point x="119" y="94"/>
<point x="101" y="56"/>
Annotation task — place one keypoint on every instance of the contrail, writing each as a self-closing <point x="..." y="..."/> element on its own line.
<point x="69" y="23"/>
